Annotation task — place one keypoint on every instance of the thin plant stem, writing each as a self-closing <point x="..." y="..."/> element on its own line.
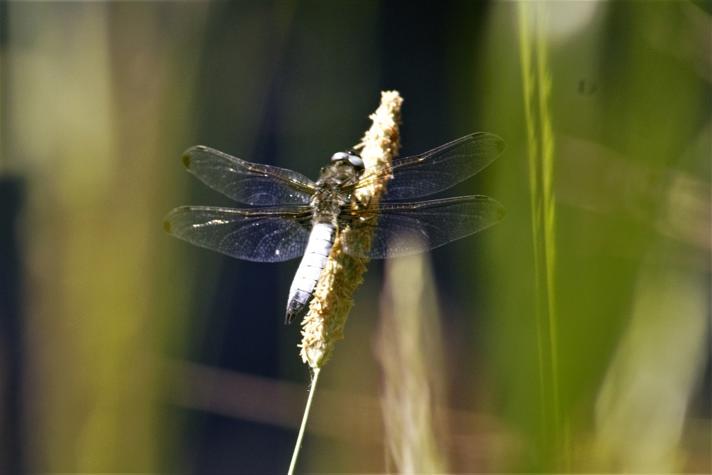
<point x="305" y="417"/>
<point x="536" y="82"/>
<point x="528" y="85"/>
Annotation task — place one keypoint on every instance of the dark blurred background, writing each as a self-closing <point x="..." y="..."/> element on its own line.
<point x="575" y="334"/>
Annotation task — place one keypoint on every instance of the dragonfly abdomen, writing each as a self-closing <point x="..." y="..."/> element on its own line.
<point x="315" y="256"/>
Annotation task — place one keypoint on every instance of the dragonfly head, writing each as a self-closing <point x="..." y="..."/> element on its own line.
<point x="349" y="157"/>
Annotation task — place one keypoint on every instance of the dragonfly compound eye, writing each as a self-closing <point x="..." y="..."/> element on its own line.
<point x="352" y="158"/>
<point x="339" y="156"/>
<point x="355" y="160"/>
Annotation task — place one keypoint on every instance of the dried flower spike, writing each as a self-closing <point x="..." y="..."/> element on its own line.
<point x="324" y="323"/>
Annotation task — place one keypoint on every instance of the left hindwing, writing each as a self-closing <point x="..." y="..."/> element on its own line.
<point x="257" y="234"/>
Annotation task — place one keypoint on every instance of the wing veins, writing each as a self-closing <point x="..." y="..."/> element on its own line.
<point x="251" y="183"/>
<point x="293" y="212"/>
<point x="440" y="168"/>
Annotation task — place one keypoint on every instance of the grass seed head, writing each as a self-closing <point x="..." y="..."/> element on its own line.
<point x="323" y="324"/>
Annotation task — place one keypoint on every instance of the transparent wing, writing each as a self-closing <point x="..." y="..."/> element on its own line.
<point x="246" y="182"/>
<point x="443" y="167"/>
<point x="259" y="235"/>
<point x="401" y="229"/>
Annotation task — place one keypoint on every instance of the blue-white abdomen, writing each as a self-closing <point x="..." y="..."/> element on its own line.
<point x="315" y="256"/>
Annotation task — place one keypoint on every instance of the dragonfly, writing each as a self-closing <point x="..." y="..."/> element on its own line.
<point x="286" y="215"/>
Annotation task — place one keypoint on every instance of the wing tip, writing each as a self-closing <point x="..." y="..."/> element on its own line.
<point x="498" y="141"/>
<point x="186" y="159"/>
<point x="188" y="156"/>
<point x="500" y="210"/>
<point x="169" y="222"/>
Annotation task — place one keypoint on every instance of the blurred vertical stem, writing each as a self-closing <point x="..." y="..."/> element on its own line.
<point x="409" y="349"/>
<point x="536" y="82"/>
<point x="101" y="282"/>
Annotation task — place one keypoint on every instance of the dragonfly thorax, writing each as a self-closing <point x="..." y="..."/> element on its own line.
<point x="334" y="190"/>
<point x="339" y="173"/>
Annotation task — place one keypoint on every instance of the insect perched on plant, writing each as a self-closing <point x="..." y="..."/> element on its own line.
<point x="289" y="215"/>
